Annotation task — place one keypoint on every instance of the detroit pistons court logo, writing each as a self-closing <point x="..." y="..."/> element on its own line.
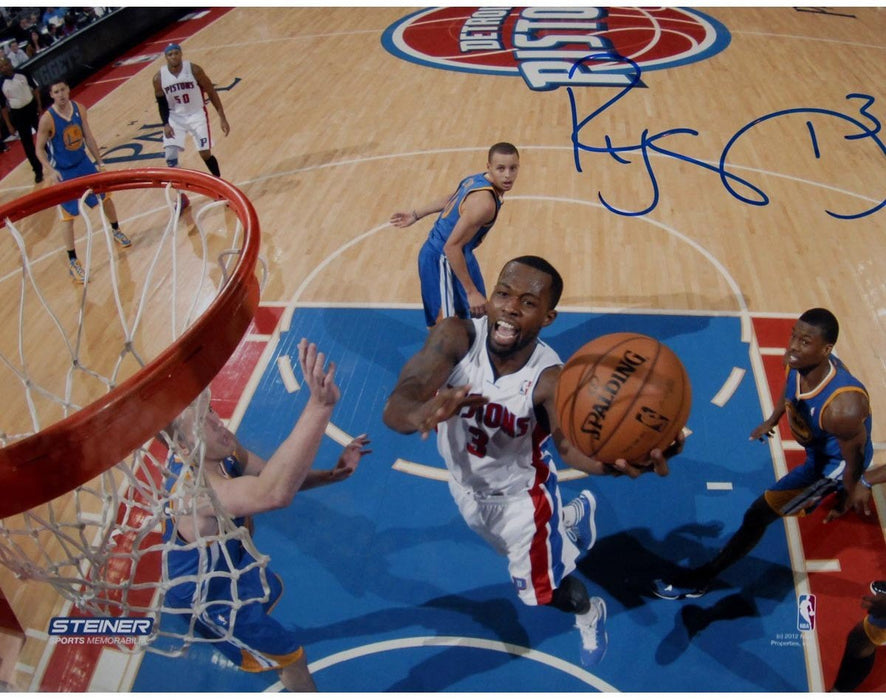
<point x="551" y="47"/>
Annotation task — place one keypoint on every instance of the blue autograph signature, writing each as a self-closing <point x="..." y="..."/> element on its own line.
<point x="869" y="128"/>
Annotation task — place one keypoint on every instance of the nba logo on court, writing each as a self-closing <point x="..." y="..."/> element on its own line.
<point x="806" y="613"/>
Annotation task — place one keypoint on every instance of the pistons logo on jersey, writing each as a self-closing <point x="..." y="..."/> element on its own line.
<point x="72" y="137"/>
<point x="553" y="46"/>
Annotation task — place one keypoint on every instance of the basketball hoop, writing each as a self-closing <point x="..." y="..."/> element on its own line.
<point x="84" y="498"/>
<point x="69" y="453"/>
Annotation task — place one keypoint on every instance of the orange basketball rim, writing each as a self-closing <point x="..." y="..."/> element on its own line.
<point x="72" y="451"/>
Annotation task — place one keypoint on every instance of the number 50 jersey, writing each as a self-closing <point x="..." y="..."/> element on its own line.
<point x="183" y="93"/>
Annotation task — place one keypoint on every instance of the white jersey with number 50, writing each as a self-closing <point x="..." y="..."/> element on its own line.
<point x="495" y="449"/>
<point x="183" y="93"/>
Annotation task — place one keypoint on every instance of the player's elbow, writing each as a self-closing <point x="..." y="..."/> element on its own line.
<point x="389" y="416"/>
<point x="273" y="498"/>
<point x="277" y="500"/>
<point x="450" y="249"/>
<point x="394" y="418"/>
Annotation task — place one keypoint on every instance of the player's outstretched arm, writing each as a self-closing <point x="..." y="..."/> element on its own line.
<point x="420" y="400"/>
<point x="283" y="474"/>
<point x="768" y="426"/>
<point x="407" y="217"/>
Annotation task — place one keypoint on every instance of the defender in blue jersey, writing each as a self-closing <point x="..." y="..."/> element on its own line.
<point x="863" y="640"/>
<point x="228" y="609"/>
<point x="869" y="634"/>
<point x="829" y="414"/>
<point x="63" y="136"/>
<point x="451" y="279"/>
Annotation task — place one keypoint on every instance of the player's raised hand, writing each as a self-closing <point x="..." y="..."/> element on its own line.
<point x="319" y="378"/>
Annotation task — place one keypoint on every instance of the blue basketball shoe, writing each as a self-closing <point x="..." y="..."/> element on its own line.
<point x="671" y="591"/>
<point x="579" y="513"/>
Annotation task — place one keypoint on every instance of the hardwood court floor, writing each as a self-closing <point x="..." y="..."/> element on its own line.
<point x="330" y="133"/>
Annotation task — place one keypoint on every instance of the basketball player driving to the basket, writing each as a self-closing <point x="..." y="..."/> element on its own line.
<point x="504" y="481"/>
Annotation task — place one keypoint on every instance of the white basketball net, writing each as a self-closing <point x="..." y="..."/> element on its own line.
<point x="100" y="546"/>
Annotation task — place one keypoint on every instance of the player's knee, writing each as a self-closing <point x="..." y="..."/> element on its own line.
<point x="571" y="596"/>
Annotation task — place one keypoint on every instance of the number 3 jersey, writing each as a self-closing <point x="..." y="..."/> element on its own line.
<point x="496" y="449"/>
<point x="183" y="92"/>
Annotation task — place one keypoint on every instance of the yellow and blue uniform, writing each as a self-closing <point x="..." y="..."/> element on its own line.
<point x="218" y="576"/>
<point x="875" y="629"/>
<point x="67" y="151"/>
<point x="442" y="294"/>
<point x="801" y="490"/>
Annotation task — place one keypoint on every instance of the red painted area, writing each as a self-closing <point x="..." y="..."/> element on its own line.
<point x="266" y="319"/>
<point x="773" y="332"/>
<point x="228" y="385"/>
<point x="856" y="542"/>
<point x="9" y="623"/>
<point x="71" y="666"/>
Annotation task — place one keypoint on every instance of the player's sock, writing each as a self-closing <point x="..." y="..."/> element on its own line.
<point x="212" y="164"/>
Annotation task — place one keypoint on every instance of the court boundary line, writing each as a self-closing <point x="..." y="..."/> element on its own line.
<point x="464" y="642"/>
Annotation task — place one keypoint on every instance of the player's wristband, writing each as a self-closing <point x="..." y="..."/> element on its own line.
<point x="864" y="482"/>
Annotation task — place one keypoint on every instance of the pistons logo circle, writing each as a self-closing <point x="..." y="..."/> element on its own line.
<point x="551" y="47"/>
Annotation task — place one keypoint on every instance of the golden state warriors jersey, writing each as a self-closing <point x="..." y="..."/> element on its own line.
<point x="445" y="223"/>
<point x="805" y="412"/>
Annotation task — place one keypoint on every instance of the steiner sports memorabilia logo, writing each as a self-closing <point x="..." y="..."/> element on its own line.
<point x="551" y="47"/>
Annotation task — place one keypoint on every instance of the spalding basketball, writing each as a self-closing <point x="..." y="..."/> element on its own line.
<point x="623" y="395"/>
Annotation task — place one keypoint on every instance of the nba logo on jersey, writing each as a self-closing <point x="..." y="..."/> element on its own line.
<point x="806" y="613"/>
<point x="519" y="583"/>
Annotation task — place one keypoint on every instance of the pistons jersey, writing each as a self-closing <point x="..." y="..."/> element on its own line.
<point x="496" y="449"/>
<point x="183" y="93"/>
<point x="805" y="411"/>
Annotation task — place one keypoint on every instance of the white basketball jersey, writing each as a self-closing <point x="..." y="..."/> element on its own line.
<point x="182" y="91"/>
<point x="496" y="449"/>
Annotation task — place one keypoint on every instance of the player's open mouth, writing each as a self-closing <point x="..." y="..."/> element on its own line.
<point x="504" y="333"/>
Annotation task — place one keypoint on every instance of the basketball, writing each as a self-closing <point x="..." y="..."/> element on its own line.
<point x="623" y="395"/>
